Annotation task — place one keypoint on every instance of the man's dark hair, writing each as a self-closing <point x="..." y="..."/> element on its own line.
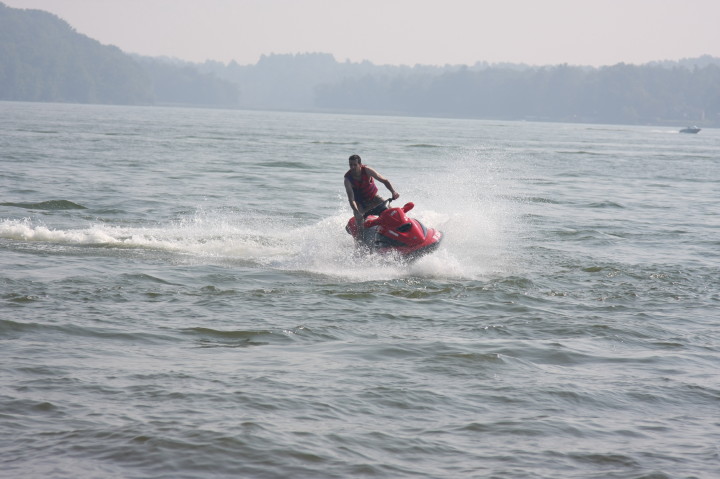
<point x="355" y="157"/>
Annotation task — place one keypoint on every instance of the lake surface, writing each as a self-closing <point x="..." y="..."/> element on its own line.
<point x="179" y="299"/>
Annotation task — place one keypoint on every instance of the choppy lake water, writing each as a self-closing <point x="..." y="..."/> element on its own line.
<point x="179" y="299"/>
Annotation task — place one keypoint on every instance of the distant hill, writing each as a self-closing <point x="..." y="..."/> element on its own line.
<point x="42" y="58"/>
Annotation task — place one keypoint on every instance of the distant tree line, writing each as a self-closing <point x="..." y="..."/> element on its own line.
<point x="629" y="94"/>
<point x="656" y="93"/>
<point x="43" y="59"/>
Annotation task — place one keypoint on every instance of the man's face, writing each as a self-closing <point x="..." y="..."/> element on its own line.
<point x="355" y="166"/>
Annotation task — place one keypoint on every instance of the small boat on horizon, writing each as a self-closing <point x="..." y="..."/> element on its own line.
<point x="690" y="129"/>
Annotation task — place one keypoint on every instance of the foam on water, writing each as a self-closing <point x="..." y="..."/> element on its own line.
<point x="25" y="230"/>
<point x="467" y="202"/>
<point x="469" y="247"/>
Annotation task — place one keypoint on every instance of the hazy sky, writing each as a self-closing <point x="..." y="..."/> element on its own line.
<point x="408" y="32"/>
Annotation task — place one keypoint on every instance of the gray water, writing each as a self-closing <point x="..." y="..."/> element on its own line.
<point x="179" y="299"/>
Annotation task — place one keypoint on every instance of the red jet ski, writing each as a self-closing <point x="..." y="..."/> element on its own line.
<point x="395" y="233"/>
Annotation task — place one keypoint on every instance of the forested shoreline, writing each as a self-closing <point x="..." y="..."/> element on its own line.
<point x="42" y="58"/>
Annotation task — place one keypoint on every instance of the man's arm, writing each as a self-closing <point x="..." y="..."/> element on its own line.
<point x="382" y="180"/>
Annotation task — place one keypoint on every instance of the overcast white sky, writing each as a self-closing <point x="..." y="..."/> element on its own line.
<point x="408" y="32"/>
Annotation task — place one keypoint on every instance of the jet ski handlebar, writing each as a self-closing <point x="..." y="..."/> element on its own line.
<point x="407" y="207"/>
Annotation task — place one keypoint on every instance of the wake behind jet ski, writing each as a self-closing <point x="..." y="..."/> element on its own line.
<point x="393" y="232"/>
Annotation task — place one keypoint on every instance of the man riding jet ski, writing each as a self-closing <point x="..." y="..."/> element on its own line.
<point x="379" y="228"/>
<point x="362" y="191"/>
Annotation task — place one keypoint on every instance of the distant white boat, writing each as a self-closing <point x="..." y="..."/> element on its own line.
<point x="690" y="129"/>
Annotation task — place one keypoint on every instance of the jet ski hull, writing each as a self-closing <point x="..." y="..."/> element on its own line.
<point x="394" y="233"/>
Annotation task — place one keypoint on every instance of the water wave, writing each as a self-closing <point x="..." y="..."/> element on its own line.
<point x="212" y="338"/>
<point x="47" y="205"/>
<point x="13" y="330"/>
